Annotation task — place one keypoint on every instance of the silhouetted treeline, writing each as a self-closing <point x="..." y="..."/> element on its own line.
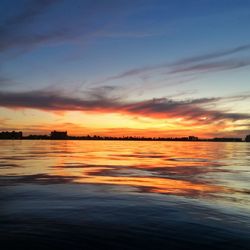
<point x="37" y="137"/>
<point x="132" y="138"/>
<point x="63" y="135"/>
<point x="228" y="139"/>
<point x="11" y="135"/>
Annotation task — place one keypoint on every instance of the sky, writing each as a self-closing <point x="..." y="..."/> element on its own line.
<point x="135" y="67"/>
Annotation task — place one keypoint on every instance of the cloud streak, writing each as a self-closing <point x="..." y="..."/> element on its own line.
<point x="215" y="55"/>
<point x="32" y="10"/>
<point x="20" y="32"/>
<point x="212" y="66"/>
<point x="196" y="64"/>
<point x="12" y="30"/>
<point x="162" y="108"/>
<point x="4" y="82"/>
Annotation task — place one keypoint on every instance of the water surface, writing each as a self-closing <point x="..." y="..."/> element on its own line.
<point x="124" y="195"/>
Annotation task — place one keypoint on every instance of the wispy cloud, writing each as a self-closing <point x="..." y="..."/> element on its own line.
<point x="5" y="82"/>
<point x="202" y="63"/>
<point x="161" y="108"/>
<point x="130" y="73"/>
<point x="12" y="30"/>
<point x="213" y="55"/>
<point x="104" y="93"/>
<point x="212" y="66"/>
<point x="24" y="30"/>
<point x="32" y="10"/>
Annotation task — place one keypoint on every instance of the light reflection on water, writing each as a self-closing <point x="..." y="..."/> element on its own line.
<point x="163" y="167"/>
<point x="204" y="180"/>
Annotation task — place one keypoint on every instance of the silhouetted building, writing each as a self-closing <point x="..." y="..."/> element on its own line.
<point x="58" y="135"/>
<point x="11" y="135"/>
<point x="247" y="139"/>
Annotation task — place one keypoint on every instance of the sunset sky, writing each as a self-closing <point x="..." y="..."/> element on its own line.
<point x="134" y="67"/>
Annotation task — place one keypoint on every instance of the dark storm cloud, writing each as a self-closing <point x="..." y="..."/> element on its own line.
<point x="161" y="108"/>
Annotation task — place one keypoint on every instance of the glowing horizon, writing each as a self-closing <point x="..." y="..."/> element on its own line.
<point x="123" y="69"/>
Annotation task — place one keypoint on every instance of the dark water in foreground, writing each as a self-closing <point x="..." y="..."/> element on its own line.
<point x="124" y="195"/>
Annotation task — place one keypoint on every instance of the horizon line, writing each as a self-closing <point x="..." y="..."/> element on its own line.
<point x="59" y="135"/>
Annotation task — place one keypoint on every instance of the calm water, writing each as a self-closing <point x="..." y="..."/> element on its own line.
<point x="124" y="195"/>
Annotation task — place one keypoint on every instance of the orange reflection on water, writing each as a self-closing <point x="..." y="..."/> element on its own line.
<point x="182" y="168"/>
<point x="167" y="168"/>
<point x="154" y="185"/>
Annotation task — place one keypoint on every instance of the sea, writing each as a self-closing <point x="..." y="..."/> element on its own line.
<point x="118" y="195"/>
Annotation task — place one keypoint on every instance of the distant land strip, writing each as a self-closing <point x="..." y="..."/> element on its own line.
<point x="63" y="135"/>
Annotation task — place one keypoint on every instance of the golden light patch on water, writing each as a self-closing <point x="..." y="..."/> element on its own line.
<point x="183" y="168"/>
<point x="155" y="185"/>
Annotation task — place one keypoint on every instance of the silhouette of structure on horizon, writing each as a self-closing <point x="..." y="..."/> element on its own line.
<point x="227" y="139"/>
<point x="193" y="138"/>
<point x="58" y="135"/>
<point x="63" y="135"/>
<point x="11" y="135"/>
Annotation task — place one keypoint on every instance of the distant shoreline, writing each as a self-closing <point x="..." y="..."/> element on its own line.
<point x="113" y="139"/>
<point x="63" y="135"/>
